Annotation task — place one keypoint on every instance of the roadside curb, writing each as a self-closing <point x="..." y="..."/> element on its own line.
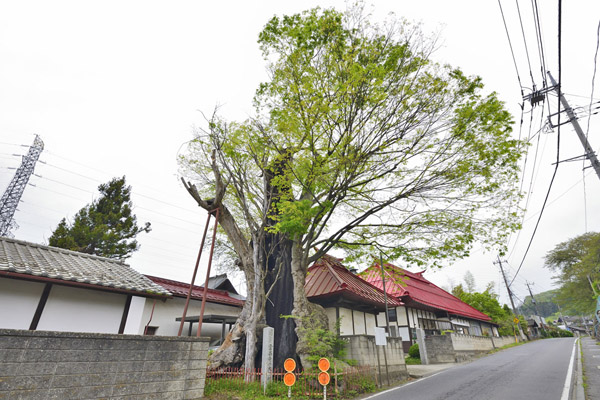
<point x="578" y="392"/>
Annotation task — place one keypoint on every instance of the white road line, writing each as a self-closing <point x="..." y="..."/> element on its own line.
<point x="405" y="385"/>
<point x="567" y="387"/>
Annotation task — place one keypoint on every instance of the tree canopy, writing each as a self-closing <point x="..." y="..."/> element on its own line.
<point x="359" y="142"/>
<point x="371" y="142"/>
<point x="107" y="227"/>
<point x="487" y="302"/>
<point x="544" y="304"/>
<point x="577" y="264"/>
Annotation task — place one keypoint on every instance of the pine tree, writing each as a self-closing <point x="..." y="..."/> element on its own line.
<point x="106" y="227"/>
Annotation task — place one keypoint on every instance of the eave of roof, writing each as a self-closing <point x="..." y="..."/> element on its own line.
<point x="181" y="289"/>
<point x="328" y="278"/>
<point x="420" y="290"/>
<point x="30" y="261"/>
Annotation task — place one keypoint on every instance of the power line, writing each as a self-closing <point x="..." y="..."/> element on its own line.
<point x="587" y="131"/>
<point x="511" y="51"/>
<point x="558" y="87"/>
<point x="540" y="42"/>
<point x="525" y="43"/>
<point x="135" y="192"/>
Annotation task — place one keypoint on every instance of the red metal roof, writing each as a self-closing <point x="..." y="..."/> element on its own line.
<point x="328" y="277"/>
<point x="407" y="286"/>
<point x="180" y="289"/>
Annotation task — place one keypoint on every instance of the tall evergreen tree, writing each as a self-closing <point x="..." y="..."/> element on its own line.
<point x="106" y="227"/>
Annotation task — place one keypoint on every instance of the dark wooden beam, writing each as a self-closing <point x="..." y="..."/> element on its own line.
<point x="125" y="314"/>
<point x="40" y="307"/>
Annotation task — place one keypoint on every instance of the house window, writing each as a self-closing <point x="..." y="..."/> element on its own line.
<point x="427" y="324"/>
<point x="476" y="330"/>
<point x="461" y="329"/>
<point x="392" y="316"/>
<point x="151" y="330"/>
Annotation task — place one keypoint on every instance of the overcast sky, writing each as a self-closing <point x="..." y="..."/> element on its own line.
<point x="114" y="88"/>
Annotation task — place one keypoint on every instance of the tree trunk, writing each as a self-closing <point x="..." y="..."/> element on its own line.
<point x="308" y="315"/>
<point x="257" y="295"/>
<point x="280" y="302"/>
<point x="232" y="350"/>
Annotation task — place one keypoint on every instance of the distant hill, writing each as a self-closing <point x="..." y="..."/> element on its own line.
<point x="545" y="305"/>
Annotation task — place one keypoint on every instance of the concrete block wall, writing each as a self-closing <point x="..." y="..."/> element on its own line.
<point x="471" y="343"/>
<point x="362" y="348"/>
<point x="503" y="341"/>
<point x="440" y="349"/>
<point x="64" y="365"/>
<point x="457" y="348"/>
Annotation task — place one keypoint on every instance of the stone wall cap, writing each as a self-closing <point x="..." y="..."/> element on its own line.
<point x="110" y="336"/>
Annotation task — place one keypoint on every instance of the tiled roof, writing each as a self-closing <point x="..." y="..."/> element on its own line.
<point x="406" y="285"/>
<point x="328" y="277"/>
<point x="180" y="289"/>
<point x="26" y="260"/>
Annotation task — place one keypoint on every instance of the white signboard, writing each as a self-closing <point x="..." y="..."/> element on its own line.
<point x="380" y="337"/>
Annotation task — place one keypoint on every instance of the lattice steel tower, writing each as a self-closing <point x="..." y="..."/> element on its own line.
<point x="12" y="195"/>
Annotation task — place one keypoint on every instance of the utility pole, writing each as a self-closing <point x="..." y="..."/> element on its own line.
<point x="562" y="316"/>
<point x="592" y="286"/>
<point x="11" y="197"/>
<point x="590" y="154"/>
<point x="510" y="295"/>
<point x="535" y="304"/>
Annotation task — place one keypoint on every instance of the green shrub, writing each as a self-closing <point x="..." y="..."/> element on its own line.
<point x="412" y="361"/>
<point x="414" y="351"/>
<point x="554" y="332"/>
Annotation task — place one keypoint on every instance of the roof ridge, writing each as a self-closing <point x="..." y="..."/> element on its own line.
<point x="335" y="274"/>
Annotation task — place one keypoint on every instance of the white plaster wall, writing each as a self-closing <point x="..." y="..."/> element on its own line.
<point x="331" y="317"/>
<point x="346" y="322"/>
<point x="18" y="302"/>
<point x="371" y="324"/>
<point x="381" y="319"/>
<point x="401" y="313"/>
<point x="71" y="309"/>
<point x="165" y="313"/>
<point x="359" y="323"/>
<point x="404" y="333"/>
<point x="134" y="318"/>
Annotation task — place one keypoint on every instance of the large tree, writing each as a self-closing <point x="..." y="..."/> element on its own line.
<point x="577" y="264"/>
<point x="107" y="227"/>
<point x="359" y="141"/>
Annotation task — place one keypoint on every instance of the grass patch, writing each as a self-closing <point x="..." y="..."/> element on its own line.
<point x="306" y="387"/>
<point x="508" y="346"/>
<point x="412" y="361"/>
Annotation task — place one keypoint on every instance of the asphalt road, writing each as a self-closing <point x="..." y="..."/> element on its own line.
<point x="532" y="371"/>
